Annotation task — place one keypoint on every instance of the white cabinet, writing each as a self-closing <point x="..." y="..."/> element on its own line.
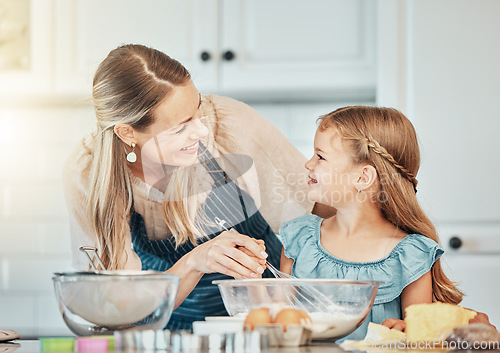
<point x="86" y="30"/>
<point x="25" y="53"/>
<point x="253" y="46"/>
<point x="442" y="71"/>
<point x="472" y="260"/>
<point x="455" y="103"/>
<point x="284" y="44"/>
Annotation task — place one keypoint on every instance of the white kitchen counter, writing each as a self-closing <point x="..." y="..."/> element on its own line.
<point x="33" y="346"/>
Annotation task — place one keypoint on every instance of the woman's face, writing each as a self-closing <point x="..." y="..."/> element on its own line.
<point x="173" y="137"/>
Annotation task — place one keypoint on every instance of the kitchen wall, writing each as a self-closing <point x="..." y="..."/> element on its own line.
<point x="34" y="239"/>
<point x="37" y="130"/>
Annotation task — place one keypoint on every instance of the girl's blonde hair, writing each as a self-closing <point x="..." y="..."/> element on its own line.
<point x="128" y="86"/>
<point x="386" y="139"/>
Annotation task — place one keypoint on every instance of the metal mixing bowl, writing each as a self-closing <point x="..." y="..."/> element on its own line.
<point x="101" y="302"/>
<point x="336" y="307"/>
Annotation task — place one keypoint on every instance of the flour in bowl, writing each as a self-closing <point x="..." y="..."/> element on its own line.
<point x="328" y="325"/>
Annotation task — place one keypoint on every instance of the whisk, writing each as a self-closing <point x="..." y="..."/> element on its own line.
<point x="315" y="299"/>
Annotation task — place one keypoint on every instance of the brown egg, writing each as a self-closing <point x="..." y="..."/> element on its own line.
<point x="259" y="316"/>
<point x="290" y="316"/>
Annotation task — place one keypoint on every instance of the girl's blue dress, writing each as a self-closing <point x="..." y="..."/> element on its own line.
<point x="409" y="260"/>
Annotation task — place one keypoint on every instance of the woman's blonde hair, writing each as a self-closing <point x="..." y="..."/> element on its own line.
<point x="386" y="139"/>
<point x="128" y="86"/>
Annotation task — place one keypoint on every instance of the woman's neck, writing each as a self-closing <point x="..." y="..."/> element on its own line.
<point x="155" y="175"/>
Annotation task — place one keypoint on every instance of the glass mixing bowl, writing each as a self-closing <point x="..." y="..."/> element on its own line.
<point x="336" y="307"/>
<point x="104" y="301"/>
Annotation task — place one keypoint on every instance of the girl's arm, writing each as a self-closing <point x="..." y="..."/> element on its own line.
<point x="285" y="263"/>
<point x="418" y="292"/>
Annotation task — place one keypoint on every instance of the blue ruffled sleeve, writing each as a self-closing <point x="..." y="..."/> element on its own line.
<point x="409" y="260"/>
<point x="295" y="233"/>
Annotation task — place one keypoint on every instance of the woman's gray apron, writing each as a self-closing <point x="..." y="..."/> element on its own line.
<point x="227" y="202"/>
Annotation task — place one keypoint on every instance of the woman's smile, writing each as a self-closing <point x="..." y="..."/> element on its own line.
<point x="191" y="148"/>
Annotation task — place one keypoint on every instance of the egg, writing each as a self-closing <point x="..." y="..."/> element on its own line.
<point x="290" y="316"/>
<point x="260" y="316"/>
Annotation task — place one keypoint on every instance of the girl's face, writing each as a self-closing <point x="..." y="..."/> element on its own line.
<point x="173" y="137"/>
<point x="331" y="171"/>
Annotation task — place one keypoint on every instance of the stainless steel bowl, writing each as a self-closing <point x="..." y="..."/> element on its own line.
<point x="104" y="301"/>
<point x="336" y="307"/>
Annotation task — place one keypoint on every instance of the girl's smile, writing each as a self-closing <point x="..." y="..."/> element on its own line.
<point x="312" y="181"/>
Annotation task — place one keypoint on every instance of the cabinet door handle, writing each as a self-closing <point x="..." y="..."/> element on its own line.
<point x="455" y="242"/>
<point x="205" y="56"/>
<point x="228" y="55"/>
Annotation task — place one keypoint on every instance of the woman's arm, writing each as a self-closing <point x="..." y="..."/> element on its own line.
<point x="222" y="255"/>
<point x="229" y="253"/>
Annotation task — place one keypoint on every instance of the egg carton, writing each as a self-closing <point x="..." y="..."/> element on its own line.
<point x="292" y="335"/>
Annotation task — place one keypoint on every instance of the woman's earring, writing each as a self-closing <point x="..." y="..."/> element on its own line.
<point x="132" y="157"/>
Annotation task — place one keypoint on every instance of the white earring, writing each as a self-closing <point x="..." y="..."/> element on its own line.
<point x="132" y="157"/>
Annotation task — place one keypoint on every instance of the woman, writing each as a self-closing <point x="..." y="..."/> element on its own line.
<point x="168" y="171"/>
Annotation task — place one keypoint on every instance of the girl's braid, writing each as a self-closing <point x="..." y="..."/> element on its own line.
<point x="379" y="149"/>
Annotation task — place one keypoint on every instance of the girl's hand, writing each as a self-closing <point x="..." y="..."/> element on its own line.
<point x="396" y="324"/>
<point x="481" y="318"/>
<point x="230" y="253"/>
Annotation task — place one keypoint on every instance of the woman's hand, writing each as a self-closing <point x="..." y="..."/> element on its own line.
<point x="230" y="253"/>
<point x="396" y="324"/>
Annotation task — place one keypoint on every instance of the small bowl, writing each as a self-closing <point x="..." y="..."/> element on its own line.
<point x="98" y="303"/>
<point x="336" y="307"/>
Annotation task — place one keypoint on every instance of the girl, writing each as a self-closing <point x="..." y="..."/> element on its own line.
<point x="365" y="165"/>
